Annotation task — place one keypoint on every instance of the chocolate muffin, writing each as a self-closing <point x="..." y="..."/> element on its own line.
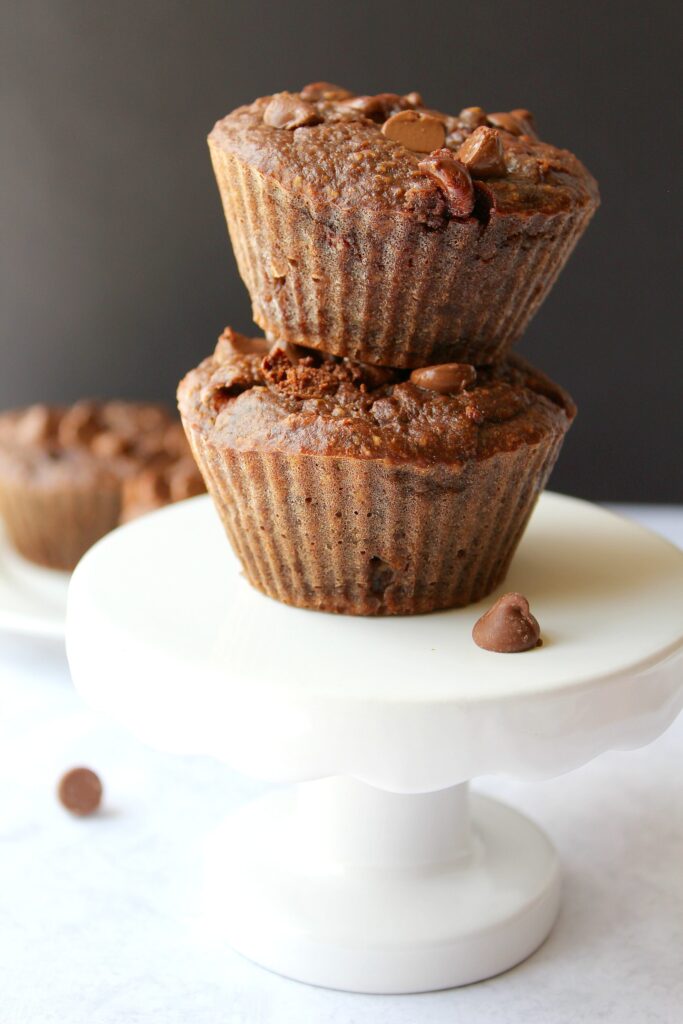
<point x="375" y="228"/>
<point x="69" y="475"/>
<point x="347" y="487"/>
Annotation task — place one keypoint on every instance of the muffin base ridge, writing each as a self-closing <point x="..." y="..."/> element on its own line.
<point x="361" y="538"/>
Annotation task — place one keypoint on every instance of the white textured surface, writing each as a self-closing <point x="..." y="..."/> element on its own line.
<point x="96" y="916"/>
<point x="407" y="704"/>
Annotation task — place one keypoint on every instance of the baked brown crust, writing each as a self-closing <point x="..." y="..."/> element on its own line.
<point x="348" y="488"/>
<point x="68" y="475"/>
<point x="351" y="242"/>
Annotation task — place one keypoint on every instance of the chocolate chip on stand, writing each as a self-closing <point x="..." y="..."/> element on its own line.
<point x="446" y="378"/>
<point x="508" y="627"/>
<point x="286" y="110"/>
<point x="453" y="178"/>
<point x="80" y="791"/>
<point x="482" y="153"/>
<point x="419" y="132"/>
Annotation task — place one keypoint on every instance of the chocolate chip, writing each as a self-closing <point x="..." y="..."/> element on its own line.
<point x="446" y="378"/>
<point x="286" y="110"/>
<point x="79" y="424"/>
<point x="324" y="91"/>
<point x="80" y="791"/>
<point x="505" y="121"/>
<point x="482" y="153"/>
<point x="379" y="107"/>
<point x="508" y="627"/>
<point x="421" y="133"/>
<point x="472" y="117"/>
<point x="108" y="445"/>
<point x="37" y="424"/>
<point x="453" y="177"/>
<point x="516" y="122"/>
<point x="527" y="121"/>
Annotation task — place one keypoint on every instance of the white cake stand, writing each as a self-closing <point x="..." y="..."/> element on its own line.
<point x="383" y="875"/>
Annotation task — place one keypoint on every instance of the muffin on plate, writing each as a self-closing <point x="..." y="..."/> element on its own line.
<point x="69" y="475"/>
<point x="347" y="487"/>
<point x="375" y="228"/>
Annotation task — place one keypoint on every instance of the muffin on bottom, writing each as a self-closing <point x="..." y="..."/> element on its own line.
<point x="70" y="475"/>
<point x="350" y="488"/>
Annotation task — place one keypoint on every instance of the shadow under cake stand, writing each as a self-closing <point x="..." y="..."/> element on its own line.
<point x="379" y="872"/>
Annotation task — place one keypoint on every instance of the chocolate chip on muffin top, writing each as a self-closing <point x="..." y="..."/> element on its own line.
<point x="327" y="143"/>
<point x="298" y="400"/>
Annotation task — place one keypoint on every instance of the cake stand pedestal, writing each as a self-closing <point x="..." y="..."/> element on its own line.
<point x="378" y="872"/>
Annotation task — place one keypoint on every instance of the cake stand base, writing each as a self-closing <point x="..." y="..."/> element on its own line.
<point x="339" y="884"/>
<point x="377" y="873"/>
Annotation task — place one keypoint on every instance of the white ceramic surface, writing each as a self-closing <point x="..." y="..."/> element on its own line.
<point x="165" y="635"/>
<point x="339" y="884"/>
<point x="32" y="599"/>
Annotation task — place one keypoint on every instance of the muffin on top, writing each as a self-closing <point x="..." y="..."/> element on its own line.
<point x="377" y="228"/>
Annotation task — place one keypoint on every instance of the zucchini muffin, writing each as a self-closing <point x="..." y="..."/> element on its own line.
<point x="375" y="228"/>
<point x="352" y="488"/>
<point x="70" y="475"/>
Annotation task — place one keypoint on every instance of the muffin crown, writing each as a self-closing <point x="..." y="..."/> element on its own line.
<point x="329" y="144"/>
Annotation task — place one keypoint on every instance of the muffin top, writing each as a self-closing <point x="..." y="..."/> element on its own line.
<point x="251" y="395"/>
<point x="103" y="442"/>
<point x="332" y="146"/>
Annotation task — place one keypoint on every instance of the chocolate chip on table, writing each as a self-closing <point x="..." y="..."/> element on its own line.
<point x="80" y="791"/>
<point x="445" y="379"/>
<point x="288" y="111"/>
<point x="508" y="627"/>
<point x="324" y="91"/>
<point x="453" y="178"/>
<point x="482" y="153"/>
<point x="419" y="132"/>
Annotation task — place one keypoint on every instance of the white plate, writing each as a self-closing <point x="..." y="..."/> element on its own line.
<point x="32" y="599"/>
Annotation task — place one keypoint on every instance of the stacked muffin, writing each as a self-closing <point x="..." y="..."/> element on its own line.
<point x="380" y="451"/>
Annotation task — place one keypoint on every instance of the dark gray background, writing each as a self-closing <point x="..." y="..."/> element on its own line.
<point x="117" y="275"/>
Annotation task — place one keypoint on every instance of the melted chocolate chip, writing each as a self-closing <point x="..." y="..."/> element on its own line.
<point x="516" y="122"/>
<point x="379" y="107"/>
<point x="418" y="132"/>
<point x="286" y="110"/>
<point x="472" y="117"/>
<point x="453" y="178"/>
<point x="38" y="424"/>
<point x="80" y="791"/>
<point x="508" y="627"/>
<point x="482" y="154"/>
<point x="324" y="91"/>
<point x="446" y="378"/>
